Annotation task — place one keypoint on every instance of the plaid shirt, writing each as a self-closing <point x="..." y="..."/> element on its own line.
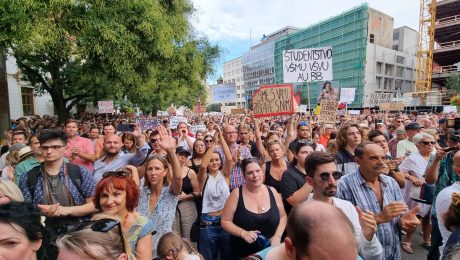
<point x="353" y="188"/>
<point x="236" y="175"/>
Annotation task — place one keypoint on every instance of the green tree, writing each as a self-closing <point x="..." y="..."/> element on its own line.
<point x="214" y="107"/>
<point x="79" y="50"/>
<point x="453" y="84"/>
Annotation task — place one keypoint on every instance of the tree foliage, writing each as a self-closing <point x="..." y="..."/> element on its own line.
<point x="80" y="50"/>
<point x="453" y="84"/>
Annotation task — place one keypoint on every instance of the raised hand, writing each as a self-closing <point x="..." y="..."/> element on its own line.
<point x="166" y="142"/>
<point x="137" y="130"/>
<point x="367" y="222"/>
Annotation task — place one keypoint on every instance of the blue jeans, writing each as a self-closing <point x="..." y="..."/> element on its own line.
<point x="214" y="240"/>
<point x="436" y="240"/>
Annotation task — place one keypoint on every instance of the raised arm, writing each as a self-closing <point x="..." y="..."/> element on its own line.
<point x="204" y="165"/>
<point x="289" y="133"/>
<point x="229" y="160"/>
<point x="260" y="146"/>
<point x="168" y="143"/>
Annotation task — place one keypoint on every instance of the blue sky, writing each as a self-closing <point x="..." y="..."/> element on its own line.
<point x="237" y="24"/>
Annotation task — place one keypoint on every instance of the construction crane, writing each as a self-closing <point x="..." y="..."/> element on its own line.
<point x="424" y="66"/>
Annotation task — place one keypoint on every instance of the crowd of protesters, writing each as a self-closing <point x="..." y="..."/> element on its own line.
<point x="281" y="187"/>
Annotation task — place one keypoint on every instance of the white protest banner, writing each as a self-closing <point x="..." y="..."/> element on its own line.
<point x="328" y="112"/>
<point x="273" y="100"/>
<point x="105" y="107"/>
<point x="196" y="128"/>
<point x="353" y="112"/>
<point x="449" y="109"/>
<point x="377" y="98"/>
<point x="347" y="95"/>
<point x="223" y="93"/>
<point x="303" y="109"/>
<point x="175" y="120"/>
<point x="306" y="65"/>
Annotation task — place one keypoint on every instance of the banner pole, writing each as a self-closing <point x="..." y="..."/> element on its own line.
<point x="308" y="96"/>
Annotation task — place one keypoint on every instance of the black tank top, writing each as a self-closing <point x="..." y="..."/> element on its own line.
<point x="194" y="166"/>
<point x="269" y="180"/>
<point x="187" y="185"/>
<point x="266" y="223"/>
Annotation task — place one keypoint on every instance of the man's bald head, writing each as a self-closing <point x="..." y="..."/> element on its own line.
<point x="320" y="231"/>
<point x="230" y="134"/>
<point x="112" y="144"/>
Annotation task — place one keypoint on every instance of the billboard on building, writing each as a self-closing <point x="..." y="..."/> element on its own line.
<point x="223" y="93"/>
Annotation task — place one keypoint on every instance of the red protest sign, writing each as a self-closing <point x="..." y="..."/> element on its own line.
<point x="273" y="100"/>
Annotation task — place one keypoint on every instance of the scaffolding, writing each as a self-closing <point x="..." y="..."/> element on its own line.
<point x="424" y="66"/>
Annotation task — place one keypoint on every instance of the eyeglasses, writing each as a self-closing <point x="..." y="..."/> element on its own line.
<point x="428" y="143"/>
<point x="102" y="225"/>
<point x="208" y="141"/>
<point x="231" y="132"/>
<point x="325" y="175"/>
<point x="52" y="147"/>
<point x="121" y="174"/>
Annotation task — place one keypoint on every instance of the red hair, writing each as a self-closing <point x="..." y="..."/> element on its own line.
<point x="118" y="183"/>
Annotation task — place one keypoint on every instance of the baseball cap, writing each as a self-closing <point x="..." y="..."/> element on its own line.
<point x="182" y="150"/>
<point x="412" y="126"/>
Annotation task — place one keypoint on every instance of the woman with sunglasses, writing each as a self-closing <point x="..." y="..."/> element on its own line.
<point x="294" y="189"/>
<point x="117" y="194"/>
<point x="163" y="185"/>
<point x="414" y="166"/>
<point x="214" y="180"/>
<point x="208" y="141"/>
<point x="199" y="149"/>
<point x="21" y="232"/>
<point x="253" y="213"/>
<point x="100" y="238"/>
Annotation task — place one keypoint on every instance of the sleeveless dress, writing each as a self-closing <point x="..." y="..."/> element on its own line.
<point x="266" y="223"/>
<point x="269" y="180"/>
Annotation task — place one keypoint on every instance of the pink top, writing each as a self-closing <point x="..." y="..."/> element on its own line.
<point x="85" y="145"/>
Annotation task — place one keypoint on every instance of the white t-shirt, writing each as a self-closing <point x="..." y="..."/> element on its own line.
<point x="443" y="201"/>
<point x="367" y="249"/>
<point x="215" y="194"/>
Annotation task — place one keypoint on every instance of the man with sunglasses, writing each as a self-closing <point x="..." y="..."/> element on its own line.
<point x="323" y="176"/>
<point x="370" y="188"/>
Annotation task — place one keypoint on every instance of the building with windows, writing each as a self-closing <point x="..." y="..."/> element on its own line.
<point x="259" y="64"/>
<point x="22" y="100"/>
<point x="363" y="56"/>
<point x="233" y="73"/>
<point x="405" y="40"/>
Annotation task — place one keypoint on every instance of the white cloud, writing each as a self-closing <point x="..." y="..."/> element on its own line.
<point x="232" y="20"/>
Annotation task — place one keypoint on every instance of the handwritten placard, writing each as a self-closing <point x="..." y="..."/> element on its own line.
<point x="449" y="109"/>
<point x="237" y="111"/>
<point x="105" y="107"/>
<point x="306" y="65"/>
<point x="392" y="106"/>
<point x="273" y="100"/>
<point x="224" y="93"/>
<point x="328" y="112"/>
<point x="377" y="98"/>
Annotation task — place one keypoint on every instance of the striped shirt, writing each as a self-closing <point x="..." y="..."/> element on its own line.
<point x="236" y="175"/>
<point x="353" y="188"/>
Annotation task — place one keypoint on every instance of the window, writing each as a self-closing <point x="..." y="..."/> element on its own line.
<point x="27" y="101"/>
<point x="371" y="38"/>
<point x="400" y="59"/>
<point x="395" y="47"/>
<point x="396" y="36"/>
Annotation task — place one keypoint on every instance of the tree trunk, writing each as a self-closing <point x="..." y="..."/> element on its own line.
<point x="60" y="107"/>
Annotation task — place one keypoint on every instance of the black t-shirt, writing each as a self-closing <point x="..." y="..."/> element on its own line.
<point x="294" y="143"/>
<point x="293" y="179"/>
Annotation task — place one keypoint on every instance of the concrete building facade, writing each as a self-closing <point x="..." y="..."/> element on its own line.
<point x="233" y="73"/>
<point x="405" y="40"/>
<point x="363" y="55"/>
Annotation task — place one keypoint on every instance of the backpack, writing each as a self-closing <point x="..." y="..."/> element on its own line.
<point x="72" y="169"/>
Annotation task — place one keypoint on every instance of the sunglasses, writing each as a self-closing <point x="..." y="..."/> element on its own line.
<point x="428" y="143"/>
<point x="208" y="141"/>
<point x="121" y="174"/>
<point x="153" y="141"/>
<point x="325" y="175"/>
<point x="303" y="123"/>
<point x="102" y="225"/>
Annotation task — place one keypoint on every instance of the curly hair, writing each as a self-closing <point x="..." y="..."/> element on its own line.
<point x="342" y="135"/>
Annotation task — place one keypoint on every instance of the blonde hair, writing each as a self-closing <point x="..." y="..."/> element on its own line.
<point x="331" y="147"/>
<point x="170" y="244"/>
<point x="12" y="158"/>
<point x="80" y="242"/>
<point x="11" y="190"/>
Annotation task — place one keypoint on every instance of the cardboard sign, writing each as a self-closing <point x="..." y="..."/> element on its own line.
<point x="199" y="109"/>
<point x="392" y="106"/>
<point x="347" y="94"/>
<point x="196" y="128"/>
<point x="175" y="120"/>
<point x="328" y="112"/>
<point x="105" y="107"/>
<point x="224" y="93"/>
<point x="306" y="65"/>
<point x="237" y="111"/>
<point x="377" y="98"/>
<point x="273" y="100"/>
<point x="354" y="112"/>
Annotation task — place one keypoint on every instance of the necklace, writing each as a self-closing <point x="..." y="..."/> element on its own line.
<point x="260" y="206"/>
